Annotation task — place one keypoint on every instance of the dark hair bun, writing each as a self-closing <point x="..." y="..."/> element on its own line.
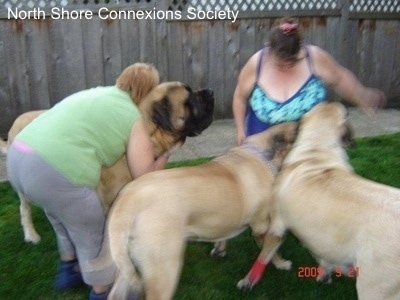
<point x="285" y="39"/>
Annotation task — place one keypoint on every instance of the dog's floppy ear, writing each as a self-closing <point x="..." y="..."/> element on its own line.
<point x="188" y="88"/>
<point x="278" y="142"/>
<point x="160" y="114"/>
<point x="282" y="141"/>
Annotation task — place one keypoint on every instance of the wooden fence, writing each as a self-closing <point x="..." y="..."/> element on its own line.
<point x="50" y="49"/>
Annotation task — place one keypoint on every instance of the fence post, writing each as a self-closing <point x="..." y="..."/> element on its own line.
<point x="343" y="36"/>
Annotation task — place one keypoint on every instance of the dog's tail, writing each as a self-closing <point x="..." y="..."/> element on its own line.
<point x="128" y="283"/>
<point x="122" y="288"/>
<point x="3" y="146"/>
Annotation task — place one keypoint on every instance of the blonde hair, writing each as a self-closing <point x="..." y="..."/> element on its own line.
<point x="138" y="80"/>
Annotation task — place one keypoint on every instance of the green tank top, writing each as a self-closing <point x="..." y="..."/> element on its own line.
<point x="84" y="132"/>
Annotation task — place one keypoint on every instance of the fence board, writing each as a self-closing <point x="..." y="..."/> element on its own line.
<point x="57" y="62"/>
<point x="247" y="37"/>
<point x="348" y="54"/>
<point x="263" y="26"/>
<point x="199" y="54"/>
<point x="112" y="50"/>
<point x="318" y="32"/>
<point x="394" y="72"/>
<point x="92" y="36"/>
<point x="216" y="66"/>
<point x="187" y="52"/>
<point x="332" y="39"/>
<point x="162" y="49"/>
<point x="383" y="47"/>
<point x="175" y="46"/>
<point x="74" y="55"/>
<point x="364" y="52"/>
<point x="19" y="81"/>
<point x="147" y="41"/>
<point x="7" y="100"/>
<point x="232" y="66"/>
<point x="37" y="43"/>
<point x="68" y="60"/>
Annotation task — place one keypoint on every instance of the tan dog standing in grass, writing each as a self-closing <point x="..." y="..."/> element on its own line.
<point x="153" y="216"/>
<point x="172" y="112"/>
<point x="343" y="219"/>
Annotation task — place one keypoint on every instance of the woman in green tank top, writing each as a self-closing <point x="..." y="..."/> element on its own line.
<point x="67" y="146"/>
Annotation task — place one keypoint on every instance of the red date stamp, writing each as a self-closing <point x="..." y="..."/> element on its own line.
<point x="348" y="271"/>
<point x="319" y="272"/>
<point x="310" y="272"/>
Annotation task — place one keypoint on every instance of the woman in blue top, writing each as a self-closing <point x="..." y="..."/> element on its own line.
<point x="286" y="79"/>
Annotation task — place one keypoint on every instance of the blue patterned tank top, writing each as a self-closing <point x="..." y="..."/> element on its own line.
<point x="264" y="112"/>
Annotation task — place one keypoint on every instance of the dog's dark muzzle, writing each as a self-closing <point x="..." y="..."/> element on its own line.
<point x="348" y="140"/>
<point x="201" y="107"/>
<point x="208" y="95"/>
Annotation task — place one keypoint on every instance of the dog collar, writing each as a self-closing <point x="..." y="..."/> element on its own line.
<point x="265" y="156"/>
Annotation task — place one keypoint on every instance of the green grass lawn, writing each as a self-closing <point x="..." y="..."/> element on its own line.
<point x="27" y="271"/>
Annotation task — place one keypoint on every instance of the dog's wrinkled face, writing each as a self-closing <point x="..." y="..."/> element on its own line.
<point x="173" y="112"/>
<point x="339" y="112"/>
<point x="334" y="115"/>
<point x="182" y="111"/>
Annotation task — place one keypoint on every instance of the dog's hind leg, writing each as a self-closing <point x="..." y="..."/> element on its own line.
<point x="160" y="269"/>
<point x="162" y="277"/>
<point x="30" y="234"/>
<point x="159" y="256"/>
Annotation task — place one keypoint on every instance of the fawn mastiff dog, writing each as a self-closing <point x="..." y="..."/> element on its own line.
<point x="343" y="219"/>
<point x="154" y="215"/>
<point x="172" y="111"/>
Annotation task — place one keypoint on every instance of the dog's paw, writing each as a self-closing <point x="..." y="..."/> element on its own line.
<point x="219" y="249"/>
<point x="216" y="252"/>
<point x="244" y="285"/>
<point x="32" y="237"/>
<point x="281" y="263"/>
<point x="325" y="278"/>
